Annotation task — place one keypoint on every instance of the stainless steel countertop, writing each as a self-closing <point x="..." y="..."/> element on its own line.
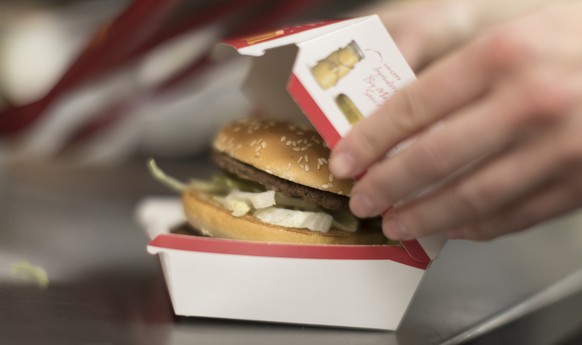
<point x="78" y="224"/>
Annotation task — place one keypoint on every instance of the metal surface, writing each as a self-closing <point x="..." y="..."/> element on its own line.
<point x="77" y="224"/>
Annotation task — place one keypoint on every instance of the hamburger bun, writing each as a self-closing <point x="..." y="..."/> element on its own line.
<point x="280" y="156"/>
<point x="210" y="217"/>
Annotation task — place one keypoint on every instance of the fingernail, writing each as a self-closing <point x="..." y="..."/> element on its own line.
<point x="342" y="165"/>
<point x="394" y="230"/>
<point x="362" y="206"/>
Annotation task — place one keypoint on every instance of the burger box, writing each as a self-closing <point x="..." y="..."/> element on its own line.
<point x="330" y="73"/>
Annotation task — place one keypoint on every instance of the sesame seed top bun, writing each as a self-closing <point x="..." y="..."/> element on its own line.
<point x="285" y="150"/>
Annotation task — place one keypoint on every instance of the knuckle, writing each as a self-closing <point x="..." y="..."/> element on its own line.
<point x="411" y="118"/>
<point x="431" y="160"/>
<point x="367" y="142"/>
<point x="379" y="188"/>
<point x="468" y="200"/>
<point x="546" y="96"/>
<point x="508" y="46"/>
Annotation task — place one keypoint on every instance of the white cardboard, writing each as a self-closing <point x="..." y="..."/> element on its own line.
<point x="348" y="293"/>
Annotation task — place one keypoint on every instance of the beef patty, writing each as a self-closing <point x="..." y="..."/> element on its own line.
<point x="328" y="200"/>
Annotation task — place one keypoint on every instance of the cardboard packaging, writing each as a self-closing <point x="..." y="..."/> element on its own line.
<point x="333" y="74"/>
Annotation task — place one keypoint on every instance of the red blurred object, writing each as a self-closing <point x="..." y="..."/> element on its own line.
<point x="141" y="27"/>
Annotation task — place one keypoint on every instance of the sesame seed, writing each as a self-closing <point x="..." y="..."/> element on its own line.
<point x="296" y="149"/>
<point x="306" y="158"/>
<point x="283" y="138"/>
<point x="253" y="142"/>
<point x="304" y="148"/>
<point x="330" y="178"/>
<point x="300" y="159"/>
<point x="306" y="167"/>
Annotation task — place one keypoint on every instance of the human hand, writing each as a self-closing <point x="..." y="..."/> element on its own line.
<point x="506" y="153"/>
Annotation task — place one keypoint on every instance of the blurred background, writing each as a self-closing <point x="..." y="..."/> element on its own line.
<point x="100" y="81"/>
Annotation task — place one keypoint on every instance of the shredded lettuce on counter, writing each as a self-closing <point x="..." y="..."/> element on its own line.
<point x="29" y="272"/>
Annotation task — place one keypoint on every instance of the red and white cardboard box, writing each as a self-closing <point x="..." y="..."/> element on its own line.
<point x="361" y="286"/>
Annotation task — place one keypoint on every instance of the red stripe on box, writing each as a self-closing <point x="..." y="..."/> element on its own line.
<point x="246" y="41"/>
<point x="283" y="250"/>
<point x="313" y="111"/>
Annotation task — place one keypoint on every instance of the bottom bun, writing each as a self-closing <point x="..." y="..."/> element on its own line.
<point x="208" y="215"/>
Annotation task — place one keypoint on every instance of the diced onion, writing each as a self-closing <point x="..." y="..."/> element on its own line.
<point x="316" y="221"/>
<point x="237" y="207"/>
<point x="258" y="200"/>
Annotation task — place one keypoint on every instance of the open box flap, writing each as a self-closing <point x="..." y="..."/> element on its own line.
<point x="256" y="45"/>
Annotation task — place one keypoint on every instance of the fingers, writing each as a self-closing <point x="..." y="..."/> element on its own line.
<point x="476" y="121"/>
<point x="442" y="89"/>
<point x="487" y="190"/>
<point x="441" y="152"/>
<point x="558" y="199"/>
<point x="475" y="132"/>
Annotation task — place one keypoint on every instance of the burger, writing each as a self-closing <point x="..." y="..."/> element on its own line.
<point x="275" y="186"/>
